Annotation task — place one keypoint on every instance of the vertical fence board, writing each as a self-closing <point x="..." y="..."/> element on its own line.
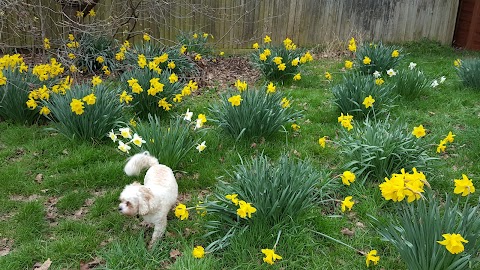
<point x="236" y="23"/>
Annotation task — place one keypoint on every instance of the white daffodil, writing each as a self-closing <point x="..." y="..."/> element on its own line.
<point x="442" y="79"/>
<point x="412" y="65"/>
<point x="137" y="140"/>
<point x="125" y="132"/>
<point x="391" y="72"/>
<point x="201" y="147"/>
<point x="112" y="136"/>
<point x="188" y="115"/>
<point x="199" y="123"/>
<point x="376" y="74"/>
<point x="123" y="147"/>
<point x="434" y="83"/>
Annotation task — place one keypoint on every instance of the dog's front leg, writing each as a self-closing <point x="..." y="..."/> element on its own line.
<point x="158" y="231"/>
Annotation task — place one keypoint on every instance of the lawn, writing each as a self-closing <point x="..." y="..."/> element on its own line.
<point x="59" y="197"/>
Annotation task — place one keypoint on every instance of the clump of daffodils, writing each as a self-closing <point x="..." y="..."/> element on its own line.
<point x="404" y="185"/>
<point x="280" y="62"/>
<point x="126" y="133"/>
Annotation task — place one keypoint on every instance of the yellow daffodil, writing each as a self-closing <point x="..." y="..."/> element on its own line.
<point x="368" y="101"/>
<point x="267" y="39"/>
<point x="395" y="53"/>
<point x="379" y="81"/>
<point x="77" y="106"/>
<point x="442" y="146"/>
<point x="322" y="141"/>
<point x="271" y="88"/>
<point x="173" y="78"/>
<point x="348" y="64"/>
<point x="71" y="56"/>
<point x="44" y="111"/>
<point x="297" y="77"/>
<point x="464" y="186"/>
<point x="164" y="104"/>
<point x="183" y="49"/>
<point x="367" y="60"/>
<point x="90" y="99"/>
<point x="285" y="103"/>
<point x="457" y="62"/>
<point x="255" y="46"/>
<point x="295" y="127"/>
<point x="352" y="46"/>
<point x="146" y="37"/>
<point x="96" y="80"/>
<point x="245" y="209"/>
<point x="346" y="121"/>
<point x="241" y="86"/>
<point x="347" y="178"/>
<point x="419" y="131"/>
<point x="450" y="137"/>
<point x="270" y="256"/>
<point x="233" y="198"/>
<point x="328" y="76"/>
<point x="277" y="60"/>
<point x="372" y="257"/>
<point x="282" y="66"/>
<point x="171" y="65"/>
<point x="198" y="57"/>
<point x="453" y="243"/>
<point x="124" y="97"/>
<point x="235" y="100"/>
<point x="92" y="13"/>
<point x="198" y="252"/>
<point x="31" y="104"/>
<point x="347" y="203"/>
<point x="181" y="211"/>
<point x="46" y="43"/>
<point x="100" y="59"/>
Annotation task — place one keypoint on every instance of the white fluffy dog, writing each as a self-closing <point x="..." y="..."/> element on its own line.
<point x="155" y="198"/>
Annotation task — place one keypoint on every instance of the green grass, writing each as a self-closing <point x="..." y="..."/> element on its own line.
<point x="69" y="213"/>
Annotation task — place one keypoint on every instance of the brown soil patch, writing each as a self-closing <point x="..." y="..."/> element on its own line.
<point x="222" y="72"/>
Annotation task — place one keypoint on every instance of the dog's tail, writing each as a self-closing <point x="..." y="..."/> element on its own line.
<point x="138" y="162"/>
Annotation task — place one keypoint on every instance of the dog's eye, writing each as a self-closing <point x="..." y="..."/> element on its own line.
<point x="128" y="203"/>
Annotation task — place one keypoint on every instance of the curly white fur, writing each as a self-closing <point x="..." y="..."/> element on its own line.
<point x="152" y="200"/>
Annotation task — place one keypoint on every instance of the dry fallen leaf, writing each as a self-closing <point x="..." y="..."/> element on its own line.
<point x="360" y="224"/>
<point x="39" y="178"/>
<point x="174" y="253"/>
<point x="347" y="231"/>
<point x="43" y="266"/>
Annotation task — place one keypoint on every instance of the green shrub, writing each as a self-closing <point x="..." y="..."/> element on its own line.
<point x="90" y="48"/>
<point x="379" y="148"/>
<point x="280" y="63"/>
<point x="382" y="57"/>
<point x="469" y="72"/>
<point x="258" y="113"/>
<point x="23" y="90"/>
<point x="410" y="83"/>
<point x="169" y="143"/>
<point x="92" y="122"/>
<point x="419" y="226"/>
<point x="350" y="94"/>
<point x="15" y="93"/>
<point x="154" y="93"/>
<point x="195" y="43"/>
<point x="279" y="191"/>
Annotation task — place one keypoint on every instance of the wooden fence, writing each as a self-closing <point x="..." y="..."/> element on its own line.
<point x="234" y="23"/>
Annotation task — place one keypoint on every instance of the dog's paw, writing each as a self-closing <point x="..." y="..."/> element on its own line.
<point x="146" y="224"/>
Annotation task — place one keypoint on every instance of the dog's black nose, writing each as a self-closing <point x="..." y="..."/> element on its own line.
<point x="119" y="208"/>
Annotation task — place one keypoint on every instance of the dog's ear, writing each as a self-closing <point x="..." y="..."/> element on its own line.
<point x="144" y="200"/>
